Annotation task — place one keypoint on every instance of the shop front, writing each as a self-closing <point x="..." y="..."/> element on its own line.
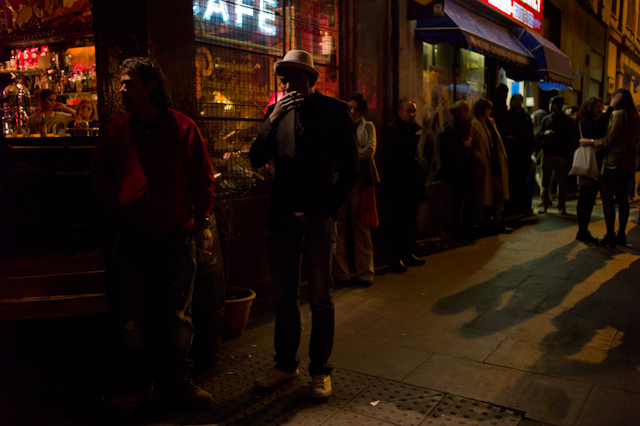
<point x="48" y="213"/>
<point x="470" y="49"/>
<point x="237" y="44"/>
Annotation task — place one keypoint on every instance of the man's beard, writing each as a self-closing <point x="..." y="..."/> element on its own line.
<point x="128" y="103"/>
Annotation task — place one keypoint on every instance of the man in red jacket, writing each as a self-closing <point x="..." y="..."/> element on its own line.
<point x="152" y="169"/>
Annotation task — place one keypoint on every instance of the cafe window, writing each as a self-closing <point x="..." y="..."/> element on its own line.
<point x="237" y="43"/>
<point x="442" y="87"/>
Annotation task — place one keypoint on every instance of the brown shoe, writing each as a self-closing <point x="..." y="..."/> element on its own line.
<point x="133" y="398"/>
<point x="191" y="395"/>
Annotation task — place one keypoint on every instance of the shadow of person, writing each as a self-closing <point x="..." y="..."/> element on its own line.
<point x="507" y="299"/>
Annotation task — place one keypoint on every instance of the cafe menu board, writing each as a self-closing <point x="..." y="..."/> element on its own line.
<point x="527" y="13"/>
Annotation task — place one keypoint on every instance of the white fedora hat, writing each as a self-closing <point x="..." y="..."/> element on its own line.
<point x="300" y="59"/>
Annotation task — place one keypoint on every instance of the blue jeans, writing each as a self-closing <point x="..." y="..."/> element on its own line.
<point x="289" y="247"/>
<point x="153" y="282"/>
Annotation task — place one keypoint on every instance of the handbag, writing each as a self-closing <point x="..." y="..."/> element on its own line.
<point x="368" y="209"/>
<point x="584" y="162"/>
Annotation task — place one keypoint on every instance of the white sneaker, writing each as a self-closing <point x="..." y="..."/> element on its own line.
<point x="275" y="377"/>
<point x="320" y="386"/>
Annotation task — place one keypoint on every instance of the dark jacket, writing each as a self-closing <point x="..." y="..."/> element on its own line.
<point x="456" y="160"/>
<point x="404" y="177"/>
<point x="325" y="146"/>
<point x="519" y="142"/>
<point x="595" y="129"/>
<point x="564" y="139"/>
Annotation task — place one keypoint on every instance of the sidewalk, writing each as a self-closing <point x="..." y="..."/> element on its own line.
<point x="535" y="322"/>
<point x="531" y="328"/>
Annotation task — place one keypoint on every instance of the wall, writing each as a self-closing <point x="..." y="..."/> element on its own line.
<point x="584" y="41"/>
<point x="159" y="29"/>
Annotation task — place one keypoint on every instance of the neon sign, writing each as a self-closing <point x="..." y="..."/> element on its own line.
<point x="241" y="9"/>
<point x="526" y="12"/>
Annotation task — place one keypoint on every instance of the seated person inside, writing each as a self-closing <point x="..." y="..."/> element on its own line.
<point x="56" y="121"/>
<point x="86" y="116"/>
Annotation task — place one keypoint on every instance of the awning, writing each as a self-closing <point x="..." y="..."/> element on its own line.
<point x="551" y="65"/>
<point x="461" y="27"/>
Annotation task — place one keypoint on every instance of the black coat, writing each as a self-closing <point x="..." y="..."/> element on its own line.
<point x="404" y="177"/>
<point x="564" y="140"/>
<point x="325" y="146"/>
<point x="519" y="142"/>
<point x="456" y="160"/>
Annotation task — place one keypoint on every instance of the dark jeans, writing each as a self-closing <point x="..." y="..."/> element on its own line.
<point x="153" y="282"/>
<point x="615" y="184"/>
<point x="402" y="218"/>
<point x="288" y="248"/>
<point x="463" y="209"/>
<point x="588" y="194"/>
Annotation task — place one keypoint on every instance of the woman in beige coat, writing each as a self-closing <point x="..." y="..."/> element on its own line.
<point x="491" y="166"/>
<point x="363" y="247"/>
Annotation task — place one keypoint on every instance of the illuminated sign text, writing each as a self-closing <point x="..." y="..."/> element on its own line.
<point x="239" y="11"/>
<point x="526" y="12"/>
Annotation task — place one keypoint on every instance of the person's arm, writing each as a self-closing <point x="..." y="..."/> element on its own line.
<point x="59" y="106"/>
<point x="264" y="146"/>
<point x="616" y="130"/>
<point x="202" y="183"/>
<point x="103" y="171"/>
<point x="347" y="157"/>
<point x="367" y="152"/>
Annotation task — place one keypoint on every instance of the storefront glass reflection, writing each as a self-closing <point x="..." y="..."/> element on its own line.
<point x="237" y="43"/>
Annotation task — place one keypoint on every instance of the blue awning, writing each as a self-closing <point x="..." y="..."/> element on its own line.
<point x="461" y="27"/>
<point x="551" y="65"/>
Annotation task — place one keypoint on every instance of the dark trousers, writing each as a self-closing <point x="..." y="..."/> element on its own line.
<point x="615" y="184"/>
<point x="288" y="248"/>
<point x="402" y="218"/>
<point x="463" y="209"/>
<point x="588" y="194"/>
<point x="153" y="283"/>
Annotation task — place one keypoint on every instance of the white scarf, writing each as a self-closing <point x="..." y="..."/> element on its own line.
<point x="361" y="132"/>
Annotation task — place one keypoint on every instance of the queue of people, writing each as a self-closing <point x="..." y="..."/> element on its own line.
<point x="323" y="153"/>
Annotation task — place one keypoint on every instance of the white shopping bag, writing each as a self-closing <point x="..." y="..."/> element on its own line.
<point x="584" y="163"/>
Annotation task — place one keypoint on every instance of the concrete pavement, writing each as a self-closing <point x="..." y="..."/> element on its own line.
<point x="534" y="321"/>
<point x="531" y="328"/>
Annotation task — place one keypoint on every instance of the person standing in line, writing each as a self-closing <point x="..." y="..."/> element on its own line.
<point x="456" y="169"/>
<point x="152" y="169"/>
<point x="491" y="167"/>
<point x="593" y="126"/>
<point x="619" y="165"/>
<point x="404" y="186"/>
<point x="519" y="147"/>
<point x="363" y="247"/>
<point x="310" y="138"/>
<point x="558" y="135"/>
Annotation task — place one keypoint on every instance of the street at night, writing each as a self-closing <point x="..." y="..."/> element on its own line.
<point x="530" y="328"/>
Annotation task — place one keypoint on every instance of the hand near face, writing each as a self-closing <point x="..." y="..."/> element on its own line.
<point x="288" y="102"/>
<point x="615" y="100"/>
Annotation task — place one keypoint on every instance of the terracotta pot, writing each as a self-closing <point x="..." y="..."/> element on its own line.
<point x="236" y="311"/>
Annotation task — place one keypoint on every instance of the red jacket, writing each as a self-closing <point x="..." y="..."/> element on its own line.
<point x="157" y="175"/>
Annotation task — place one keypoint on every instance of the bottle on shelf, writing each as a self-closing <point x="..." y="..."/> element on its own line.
<point x="42" y="124"/>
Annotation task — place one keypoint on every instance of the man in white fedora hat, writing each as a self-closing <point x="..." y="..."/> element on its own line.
<point x="311" y="139"/>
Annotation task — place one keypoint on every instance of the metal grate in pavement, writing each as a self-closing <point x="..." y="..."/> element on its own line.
<point x="395" y="402"/>
<point x="289" y="405"/>
<point x="346" y="386"/>
<point x="349" y="418"/>
<point x="456" y="410"/>
<point x="233" y="391"/>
